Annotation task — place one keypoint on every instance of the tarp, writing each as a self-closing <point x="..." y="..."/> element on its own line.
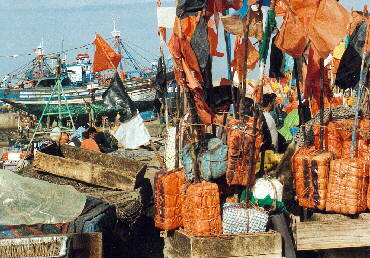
<point x="116" y="97"/>
<point x="30" y="201"/>
<point x="348" y="74"/>
<point x="277" y="62"/>
<point x="104" y="57"/>
<point x="186" y="6"/>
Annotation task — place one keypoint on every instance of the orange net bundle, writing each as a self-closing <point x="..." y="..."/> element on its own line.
<point x="364" y="139"/>
<point x="337" y="137"/>
<point x="168" y="199"/>
<point x="311" y="169"/>
<point x="201" y="210"/>
<point x="348" y="186"/>
<point x="239" y="141"/>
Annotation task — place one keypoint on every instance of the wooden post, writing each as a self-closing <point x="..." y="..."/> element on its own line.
<point x="194" y="130"/>
<point x="321" y="104"/>
<point x="300" y="111"/>
<point x="243" y="90"/>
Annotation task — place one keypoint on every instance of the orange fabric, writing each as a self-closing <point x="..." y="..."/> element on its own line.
<point x="168" y="199"/>
<point x="221" y="6"/>
<point x="364" y="139"/>
<point x="213" y="41"/>
<point x="181" y="49"/>
<point x="104" y="57"/>
<point x="305" y="10"/>
<point x="291" y="106"/>
<point x="252" y="55"/>
<point x="162" y="33"/>
<point x="256" y="24"/>
<point x="329" y="26"/>
<point x="332" y="138"/>
<point x="334" y="102"/>
<point x="312" y="83"/>
<point x="291" y="38"/>
<point x="239" y="141"/>
<point x="311" y="170"/>
<point x="201" y="211"/>
<point x="205" y="113"/>
<point x="188" y="26"/>
<point x="90" y="144"/>
<point x="280" y="8"/>
<point x="348" y="185"/>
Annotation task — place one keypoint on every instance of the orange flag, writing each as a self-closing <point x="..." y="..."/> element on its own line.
<point x="252" y="55"/>
<point x="291" y="38"/>
<point x="105" y="57"/>
<point x="329" y="26"/>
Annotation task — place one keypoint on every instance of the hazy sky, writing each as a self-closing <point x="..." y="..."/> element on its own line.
<point x="24" y="23"/>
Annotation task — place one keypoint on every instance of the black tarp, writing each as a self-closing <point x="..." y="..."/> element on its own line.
<point x="116" y="97"/>
<point x="220" y="96"/>
<point x="160" y="78"/>
<point x="186" y="6"/>
<point x="348" y="74"/>
<point x="200" y="44"/>
<point x="276" y="62"/>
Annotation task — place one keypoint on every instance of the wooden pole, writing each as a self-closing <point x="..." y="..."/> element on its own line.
<point x="243" y="90"/>
<point x="321" y="104"/>
<point x="194" y="130"/>
<point x="257" y="114"/>
<point x="300" y="110"/>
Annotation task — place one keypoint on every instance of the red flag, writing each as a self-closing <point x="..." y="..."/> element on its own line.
<point x="105" y="57"/>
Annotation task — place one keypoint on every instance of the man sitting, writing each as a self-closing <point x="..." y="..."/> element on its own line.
<point x="88" y="143"/>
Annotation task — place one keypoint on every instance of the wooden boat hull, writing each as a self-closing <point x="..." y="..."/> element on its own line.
<point x="90" y="167"/>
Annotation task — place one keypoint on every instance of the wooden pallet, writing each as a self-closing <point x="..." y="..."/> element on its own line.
<point x="331" y="231"/>
<point x="178" y="244"/>
<point x="90" y="167"/>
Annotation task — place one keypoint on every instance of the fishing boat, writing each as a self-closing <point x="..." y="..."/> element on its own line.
<point x="30" y="88"/>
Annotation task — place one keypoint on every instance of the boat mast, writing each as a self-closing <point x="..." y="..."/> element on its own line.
<point x="117" y="41"/>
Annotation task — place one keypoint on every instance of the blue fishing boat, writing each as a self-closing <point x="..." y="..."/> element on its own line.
<point x="30" y="89"/>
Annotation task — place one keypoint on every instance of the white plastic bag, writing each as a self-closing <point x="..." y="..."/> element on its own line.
<point x="267" y="186"/>
<point x="132" y="133"/>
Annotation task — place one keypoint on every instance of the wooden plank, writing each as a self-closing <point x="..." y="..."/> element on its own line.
<point x="181" y="245"/>
<point x="317" y="235"/>
<point x="84" y="245"/>
<point x="93" y="168"/>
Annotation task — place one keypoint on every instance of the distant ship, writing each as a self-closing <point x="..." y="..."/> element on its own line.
<point x="82" y="88"/>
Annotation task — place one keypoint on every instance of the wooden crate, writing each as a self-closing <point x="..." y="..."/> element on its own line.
<point x="89" y="166"/>
<point x="178" y="244"/>
<point x="331" y="231"/>
<point x="83" y="245"/>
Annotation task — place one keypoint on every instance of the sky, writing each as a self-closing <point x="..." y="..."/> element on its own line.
<point x="25" y="23"/>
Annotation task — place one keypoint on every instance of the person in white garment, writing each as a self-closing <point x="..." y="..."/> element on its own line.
<point x="269" y="128"/>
